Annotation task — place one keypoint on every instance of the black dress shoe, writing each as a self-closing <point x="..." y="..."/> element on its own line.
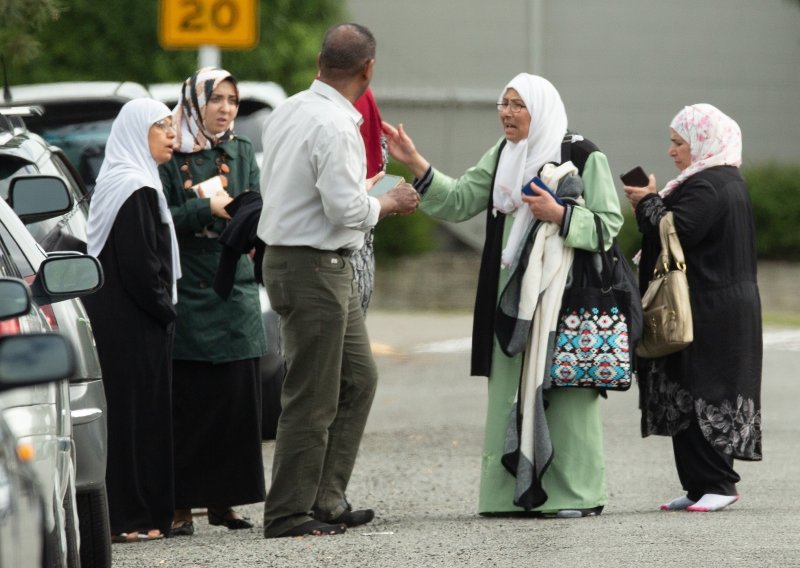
<point x="354" y="518"/>
<point x="312" y="528"/>
<point x="226" y="518"/>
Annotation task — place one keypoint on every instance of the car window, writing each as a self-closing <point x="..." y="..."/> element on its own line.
<point x="74" y="222"/>
<point x="251" y="127"/>
<point x="11" y="167"/>
<point x="78" y="139"/>
<point x="11" y="256"/>
<point x="75" y="225"/>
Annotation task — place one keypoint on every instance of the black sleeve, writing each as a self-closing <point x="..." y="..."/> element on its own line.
<point x="695" y="206"/>
<point x="143" y="269"/>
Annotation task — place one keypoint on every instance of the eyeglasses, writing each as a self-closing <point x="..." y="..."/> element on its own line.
<point x="513" y="106"/>
<point x="164" y="125"/>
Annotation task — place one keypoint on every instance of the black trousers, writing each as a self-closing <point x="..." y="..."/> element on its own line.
<point x="701" y="467"/>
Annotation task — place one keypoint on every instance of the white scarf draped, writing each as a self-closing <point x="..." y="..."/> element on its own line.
<point x="522" y="160"/>
<point x="128" y="166"/>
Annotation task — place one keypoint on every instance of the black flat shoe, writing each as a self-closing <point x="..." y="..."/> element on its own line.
<point x="226" y="519"/>
<point x="354" y="518"/>
<point x="182" y="528"/>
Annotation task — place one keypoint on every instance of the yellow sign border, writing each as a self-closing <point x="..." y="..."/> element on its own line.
<point x="243" y="36"/>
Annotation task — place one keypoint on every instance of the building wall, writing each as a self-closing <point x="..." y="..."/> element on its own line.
<point x="623" y="68"/>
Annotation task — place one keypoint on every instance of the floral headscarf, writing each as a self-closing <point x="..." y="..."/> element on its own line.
<point x="190" y="112"/>
<point x="714" y="140"/>
<point x="522" y="160"/>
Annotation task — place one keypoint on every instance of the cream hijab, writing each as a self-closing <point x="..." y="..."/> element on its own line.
<point x="128" y="166"/>
<point x="191" y="110"/>
<point x="714" y="139"/>
<point x="520" y="161"/>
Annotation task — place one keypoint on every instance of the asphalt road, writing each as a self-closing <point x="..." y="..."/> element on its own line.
<point x="419" y="468"/>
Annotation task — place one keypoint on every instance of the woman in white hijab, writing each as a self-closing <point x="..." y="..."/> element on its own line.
<point x="131" y="233"/>
<point x="567" y="479"/>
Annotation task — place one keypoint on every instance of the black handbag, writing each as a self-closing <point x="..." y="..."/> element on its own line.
<point x="599" y="322"/>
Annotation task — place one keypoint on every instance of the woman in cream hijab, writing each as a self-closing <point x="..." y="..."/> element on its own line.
<point x="567" y="478"/>
<point x="708" y="396"/>
<point x="131" y="233"/>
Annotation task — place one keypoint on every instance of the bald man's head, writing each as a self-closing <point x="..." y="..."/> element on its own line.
<point x="346" y="49"/>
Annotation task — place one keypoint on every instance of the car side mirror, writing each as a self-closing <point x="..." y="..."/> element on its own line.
<point x="36" y="198"/>
<point x="15" y="298"/>
<point x="34" y="358"/>
<point x="66" y="276"/>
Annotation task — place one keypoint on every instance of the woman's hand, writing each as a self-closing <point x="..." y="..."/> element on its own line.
<point x="636" y="194"/>
<point x="543" y="206"/>
<point x="218" y="203"/>
<point x="402" y="149"/>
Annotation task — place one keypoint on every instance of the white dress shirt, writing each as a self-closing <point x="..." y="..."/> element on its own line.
<point x="313" y="173"/>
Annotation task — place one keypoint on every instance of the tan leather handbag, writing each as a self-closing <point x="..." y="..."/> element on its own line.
<point x="667" y="312"/>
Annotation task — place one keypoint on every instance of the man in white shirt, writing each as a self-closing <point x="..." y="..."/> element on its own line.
<point x="316" y="211"/>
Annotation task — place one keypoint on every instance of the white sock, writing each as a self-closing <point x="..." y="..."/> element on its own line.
<point x="712" y="502"/>
<point x="677" y="504"/>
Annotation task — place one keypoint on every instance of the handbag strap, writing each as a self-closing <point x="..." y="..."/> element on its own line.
<point x="671" y="249"/>
<point x="583" y="266"/>
<point x="605" y="255"/>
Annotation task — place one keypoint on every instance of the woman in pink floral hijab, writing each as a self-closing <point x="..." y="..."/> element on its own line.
<point x="708" y="396"/>
<point x="713" y="137"/>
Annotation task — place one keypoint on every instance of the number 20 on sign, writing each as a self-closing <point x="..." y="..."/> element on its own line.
<point x="230" y="24"/>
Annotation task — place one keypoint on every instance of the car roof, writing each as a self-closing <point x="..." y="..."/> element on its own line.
<point x="264" y="93"/>
<point x="77" y="90"/>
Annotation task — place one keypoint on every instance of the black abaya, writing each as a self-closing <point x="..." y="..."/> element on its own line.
<point x="132" y="318"/>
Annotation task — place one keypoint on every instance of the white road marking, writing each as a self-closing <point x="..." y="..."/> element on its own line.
<point x="782" y="339"/>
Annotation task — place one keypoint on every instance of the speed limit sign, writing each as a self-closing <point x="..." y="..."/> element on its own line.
<point x="224" y="23"/>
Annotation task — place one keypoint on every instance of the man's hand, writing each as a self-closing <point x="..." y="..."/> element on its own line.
<point x="402" y="199"/>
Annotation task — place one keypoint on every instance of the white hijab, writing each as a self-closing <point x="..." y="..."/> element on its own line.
<point x="520" y="161"/>
<point x="128" y="166"/>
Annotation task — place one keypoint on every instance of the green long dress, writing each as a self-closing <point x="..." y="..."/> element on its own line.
<point x="576" y="476"/>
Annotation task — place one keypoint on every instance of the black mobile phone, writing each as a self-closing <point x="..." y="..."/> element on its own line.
<point x="635" y="178"/>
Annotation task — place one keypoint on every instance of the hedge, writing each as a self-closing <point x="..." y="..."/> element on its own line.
<point x="774" y="191"/>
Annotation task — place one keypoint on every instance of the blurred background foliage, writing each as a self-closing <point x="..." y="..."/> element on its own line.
<point x="83" y="40"/>
<point x="775" y="193"/>
<point x="60" y="40"/>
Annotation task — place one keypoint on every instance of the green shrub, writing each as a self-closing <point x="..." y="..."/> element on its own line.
<point x="629" y="237"/>
<point x="775" y="193"/>
<point x="408" y="235"/>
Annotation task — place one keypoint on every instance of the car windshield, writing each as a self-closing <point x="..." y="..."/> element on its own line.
<point x="76" y="139"/>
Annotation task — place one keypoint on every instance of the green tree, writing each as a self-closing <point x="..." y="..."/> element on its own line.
<point x="118" y="40"/>
<point x="21" y="20"/>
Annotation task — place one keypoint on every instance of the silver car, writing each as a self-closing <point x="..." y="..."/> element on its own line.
<point x="24" y="159"/>
<point x="39" y="417"/>
<point x="26" y="360"/>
